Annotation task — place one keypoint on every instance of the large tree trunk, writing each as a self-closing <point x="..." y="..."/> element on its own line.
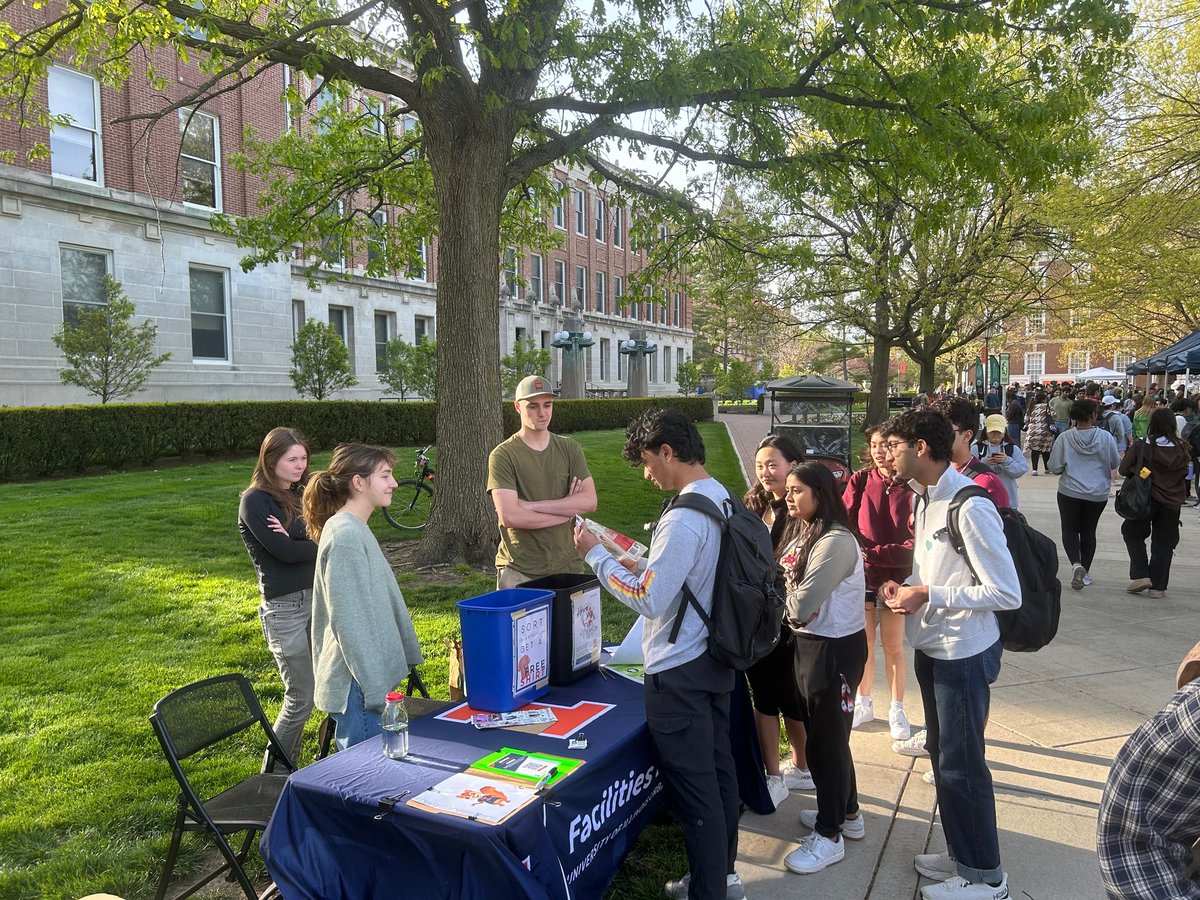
<point x="928" y="375"/>
<point x="881" y="365"/>
<point x="468" y="174"/>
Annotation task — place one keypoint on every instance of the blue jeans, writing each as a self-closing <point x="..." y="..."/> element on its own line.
<point x="357" y="723"/>
<point x="956" y="695"/>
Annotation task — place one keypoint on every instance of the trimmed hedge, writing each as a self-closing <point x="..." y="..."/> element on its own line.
<point x="41" y="441"/>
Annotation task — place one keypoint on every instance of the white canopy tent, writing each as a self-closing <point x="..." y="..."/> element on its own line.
<point x="1100" y="372"/>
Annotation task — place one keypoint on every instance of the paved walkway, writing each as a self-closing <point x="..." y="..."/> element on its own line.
<point x="1058" y="717"/>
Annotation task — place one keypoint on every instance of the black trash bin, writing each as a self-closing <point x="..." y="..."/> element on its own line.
<point x="574" y="625"/>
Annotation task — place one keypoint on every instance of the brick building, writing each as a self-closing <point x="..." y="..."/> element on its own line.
<point x="118" y="196"/>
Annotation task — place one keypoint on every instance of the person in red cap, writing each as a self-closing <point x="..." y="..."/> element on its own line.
<point x="538" y="482"/>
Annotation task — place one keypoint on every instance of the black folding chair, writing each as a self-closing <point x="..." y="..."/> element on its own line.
<point x="192" y="719"/>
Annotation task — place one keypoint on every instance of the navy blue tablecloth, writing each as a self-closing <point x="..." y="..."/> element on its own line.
<point x="325" y="842"/>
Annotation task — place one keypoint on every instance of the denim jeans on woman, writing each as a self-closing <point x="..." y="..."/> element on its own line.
<point x="286" y="622"/>
<point x="956" y="694"/>
<point x="357" y="723"/>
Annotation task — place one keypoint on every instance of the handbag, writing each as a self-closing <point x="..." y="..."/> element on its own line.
<point x="1133" y="498"/>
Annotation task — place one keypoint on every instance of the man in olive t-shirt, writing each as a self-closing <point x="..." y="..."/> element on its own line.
<point x="539" y="482"/>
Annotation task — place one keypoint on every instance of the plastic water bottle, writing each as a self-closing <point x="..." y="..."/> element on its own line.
<point x="395" y="727"/>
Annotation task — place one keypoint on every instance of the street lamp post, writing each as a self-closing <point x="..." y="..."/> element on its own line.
<point x="637" y="348"/>
<point x="572" y="341"/>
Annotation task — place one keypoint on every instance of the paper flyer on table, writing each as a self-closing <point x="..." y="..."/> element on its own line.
<point x="475" y="797"/>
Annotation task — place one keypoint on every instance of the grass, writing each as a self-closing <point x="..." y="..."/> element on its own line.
<point x="119" y="588"/>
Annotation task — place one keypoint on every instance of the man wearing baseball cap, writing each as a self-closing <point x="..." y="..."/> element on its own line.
<point x="539" y="482"/>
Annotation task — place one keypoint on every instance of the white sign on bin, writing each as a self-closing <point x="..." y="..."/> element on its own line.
<point x="585" y="628"/>
<point x="531" y="647"/>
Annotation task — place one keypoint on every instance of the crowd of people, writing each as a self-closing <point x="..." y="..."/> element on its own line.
<point x="872" y="558"/>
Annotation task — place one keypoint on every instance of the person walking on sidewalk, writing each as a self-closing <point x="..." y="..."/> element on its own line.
<point x="771" y="679"/>
<point x="879" y="507"/>
<point x="686" y="689"/>
<point x="1039" y="433"/>
<point x="951" y="624"/>
<point x="825" y="586"/>
<point x="996" y="451"/>
<point x="1084" y="456"/>
<point x="1166" y="456"/>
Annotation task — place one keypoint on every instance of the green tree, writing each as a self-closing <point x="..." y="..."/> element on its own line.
<point x="320" y="361"/>
<point x="398" y="369"/>
<point x="525" y="359"/>
<point x="739" y="376"/>
<point x="687" y="376"/>
<point x="425" y="371"/>
<point x="502" y="91"/>
<point x="106" y="355"/>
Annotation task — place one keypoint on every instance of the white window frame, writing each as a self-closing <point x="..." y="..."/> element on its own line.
<point x="1035" y="365"/>
<point x="374" y="109"/>
<point x="618" y="227"/>
<point x="512" y="272"/>
<point x="666" y="367"/>
<point x="605" y="350"/>
<point x="227" y="315"/>
<point x="678" y="308"/>
<point x="1078" y="361"/>
<point x="1035" y="322"/>
<point x="601" y="228"/>
<point x="653" y="367"/>
<point x="601" y="293"/>
<point x="346" y="333"/>
<point x="298" y="318"/>
<point x="618" y="293"/>
<point x="186" y="117"/>
<point x="376" y="243"/>
<point x="389" y="332"/>
<point x="429" y="326"/>
<point x="536" y="275"/>
<point x="96" y="131"/>
<point x="560" y="205"/>
<point x="286" y="97"/>
<point x="580" y="213"/>
<point x="423" y="252"/>
<point x="1122" y="360"/>
<point x="560" y="280"/>
<point x="108" y="270"/>
<point x="323" y="98"/>
<point x="581" y="287"/>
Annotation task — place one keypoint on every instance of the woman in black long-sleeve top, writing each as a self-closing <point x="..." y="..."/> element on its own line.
<point x="270" y="522"/>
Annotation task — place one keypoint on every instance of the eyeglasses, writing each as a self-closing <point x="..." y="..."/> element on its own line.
<point x="892" y="445"/>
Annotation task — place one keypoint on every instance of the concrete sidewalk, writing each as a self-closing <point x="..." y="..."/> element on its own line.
<point x="1058" y="717"/>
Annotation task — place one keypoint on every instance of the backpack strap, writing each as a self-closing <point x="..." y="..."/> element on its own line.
<point x="952" y="529"/>
<point x="701" y="504"/>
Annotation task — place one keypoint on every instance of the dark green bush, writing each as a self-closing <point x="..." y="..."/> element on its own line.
<point x="41" y="441"/>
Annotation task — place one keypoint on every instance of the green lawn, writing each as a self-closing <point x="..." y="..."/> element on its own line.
<point x="119" y="588"/>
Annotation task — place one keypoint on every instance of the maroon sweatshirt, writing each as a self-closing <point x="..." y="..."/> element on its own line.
<point x="880" y="511"/>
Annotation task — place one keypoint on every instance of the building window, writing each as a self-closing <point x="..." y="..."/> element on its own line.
<point x="561" y="281"/>
<point x="560" y="213"/>
<point x="383" y="334"/>
<point x="601" y="295"/>
<point x="373" y="110"/>
<point x="618" y="293"/>
<point x="297" y="317"/>
<point x="510" y="272"/>
<point x="589" y="360"/>
<point x="287" y="99"/>
<point x="75" y="148"/>
<point x="327" y="105"/>
<point x="1035" y="366"/>
<point x="677" y="309"/>
<point x="333" y="252"/>
<point x="653" y="357"/>
<point x="535" y="277"/>
<point x="580" y="213"/>
<point x="422" y="329"/>
<point x="341" y="318"/>
<point x="581" y="287"/>
<point x="605" y="349"/>
<point x="420" y="266"/>
<point x="1122" y="361"/>
<point x="1035" y="322"/>
<point x="82" y="276"/>
<point x="666" y="364"/>
<point x="210" y="314"/>
<point x="1079" y="361"/>
<point x="376" y="242"/>
<point x="618" y="227"/>
<point x="620" y="365"/>
<point x="409" y="124"/>
<point x="601" y="230"/>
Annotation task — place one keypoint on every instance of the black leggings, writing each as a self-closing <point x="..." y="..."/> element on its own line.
<point x="1079" y="519"/>
<point x="1033" y="458"/>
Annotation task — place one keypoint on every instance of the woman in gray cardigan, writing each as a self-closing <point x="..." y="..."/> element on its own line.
<point x="364" y="643"/>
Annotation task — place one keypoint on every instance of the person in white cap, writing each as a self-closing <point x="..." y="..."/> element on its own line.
<point x="999" y="453"/>
<point x="538" y="482"/>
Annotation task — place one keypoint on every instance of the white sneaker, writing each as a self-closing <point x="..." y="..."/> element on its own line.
<point x="938" y="866"/>
<point x="864" y="712"/>
<point x="958" y="888"/>
<point x="898" y="723"/>
<point x="814" y="854"/>
<point x="795" y="778"/>
<point x="914" y="746"/>
<point x="929" y="778"/>
<point x="1087" y="580"/>
<point x="777" y="789"/>
<point x="679" y="889"/>
<point x="852" y="829"/>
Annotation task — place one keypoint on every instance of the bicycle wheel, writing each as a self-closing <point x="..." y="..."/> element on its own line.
<point x="410" y="504"/>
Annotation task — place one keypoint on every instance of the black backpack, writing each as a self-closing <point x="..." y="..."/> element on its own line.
<point x="1032" y="625"/>
<point x="1105" y="422"/>
<point x="748" y="588"/>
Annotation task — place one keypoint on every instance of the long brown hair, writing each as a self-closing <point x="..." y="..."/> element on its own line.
<point x="328" y="491"/>
<point x="274" y="446"/>
<point x="830" y="511"/>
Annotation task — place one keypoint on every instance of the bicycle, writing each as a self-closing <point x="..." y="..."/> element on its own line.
<point x="412" y="497"/>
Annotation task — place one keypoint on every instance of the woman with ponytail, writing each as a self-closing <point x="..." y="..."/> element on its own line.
<point x="364" y="643"/>
<point x="273" y="530"/>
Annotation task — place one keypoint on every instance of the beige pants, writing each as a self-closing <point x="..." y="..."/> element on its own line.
<point x="508" y="577"/>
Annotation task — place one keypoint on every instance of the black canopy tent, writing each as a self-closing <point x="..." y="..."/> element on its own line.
<point x="1183" y="355"/>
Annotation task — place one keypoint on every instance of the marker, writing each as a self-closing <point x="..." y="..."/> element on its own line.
<point x="545" y="779"/>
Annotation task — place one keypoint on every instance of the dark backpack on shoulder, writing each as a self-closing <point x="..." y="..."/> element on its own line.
<point x="748" y="589"/>
<point x="1105" y="422"/>
<point x="1035" y="623"/>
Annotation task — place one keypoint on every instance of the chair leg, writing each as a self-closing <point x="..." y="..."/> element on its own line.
<point x="237" y="872"/>
<point x="325" y="736"/>
<point x="172" y="853"/>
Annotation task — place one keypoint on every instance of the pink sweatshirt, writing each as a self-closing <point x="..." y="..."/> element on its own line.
<point x="880" y="512"/>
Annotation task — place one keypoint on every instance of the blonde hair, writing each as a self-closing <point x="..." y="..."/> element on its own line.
<point x="328" y="491"/>
<point x="274" y="446"/>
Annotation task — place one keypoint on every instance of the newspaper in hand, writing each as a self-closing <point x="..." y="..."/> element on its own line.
<point x="620" y="546"/>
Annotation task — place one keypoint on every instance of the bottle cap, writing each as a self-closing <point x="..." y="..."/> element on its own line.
<point x="393" y="696"/>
